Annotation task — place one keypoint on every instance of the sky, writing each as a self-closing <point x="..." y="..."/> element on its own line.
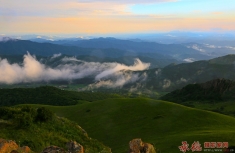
<point x="114" y="16"/>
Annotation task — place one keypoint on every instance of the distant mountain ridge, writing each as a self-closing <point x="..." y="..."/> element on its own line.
<point x="212" y="91"/>
<point x="176" y="51"/>
<point x="165" y="73"/>
<point x="21" y="47"/>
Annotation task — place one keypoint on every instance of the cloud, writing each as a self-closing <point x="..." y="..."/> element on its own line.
<point x="32" y="70"/>
<point x="5" y="39"/>
<point x="168" y="35"/>
<point x="190" y="60"/>
<point x="158" y="72"/>
<point x="166" y="83"/>
<point x="71" y="59"/>
<point x="106" y="16"/>
<point x="56" y="55"/>
<point x="212" y="46"/>
<point x="230" y="47"/>
<point x="119" y="79"/>
<point x="182" y="80"/>
<point x="196" y="47"/>
<point x="215" y="47"/>
<point x="130" y="1"/>
<point x="138" y="66"/>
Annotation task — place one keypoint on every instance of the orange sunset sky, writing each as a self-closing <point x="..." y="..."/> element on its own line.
<point x="123" y="16"/>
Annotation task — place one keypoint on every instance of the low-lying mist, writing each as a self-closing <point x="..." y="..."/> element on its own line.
<point x="32" y="70"/>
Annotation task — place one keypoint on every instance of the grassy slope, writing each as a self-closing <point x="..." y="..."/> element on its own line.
<point x="56" y="132"/>
<point x="116" y="121"/>
<point x="227" y="108"/>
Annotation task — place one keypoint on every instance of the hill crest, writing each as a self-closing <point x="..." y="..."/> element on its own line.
<point x="211" y="91"/>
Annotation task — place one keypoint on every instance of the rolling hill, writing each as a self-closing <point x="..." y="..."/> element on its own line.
<point x="212" y="91"/>
<point x="176" y="76"/>
<point x="39" y="128"/>
<point x="215" y="95"/>
<point x="117" y="121"/>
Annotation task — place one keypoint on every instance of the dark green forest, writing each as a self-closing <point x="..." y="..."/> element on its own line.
<point x="49" y="96"/>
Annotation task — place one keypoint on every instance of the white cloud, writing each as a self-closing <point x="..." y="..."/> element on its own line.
<point x="71" y="59"/>
<point x="196" y="47"/>
<point x="210" y="46"/>
<point x="130" y="1"/>
<point x="158" y="71"/>
<point x="183" y="80"/>
<point x="32" y="70"/>
<point x="56" y="56"/>
<point x="166" y="83"/>
<point x="230" y="47"/>
<point x="171" y="35"/>
<point x="119" y="79"/>
<point x="190" y="60"/>
<point x="138" y="66"/>
<point x="5" y="39"/>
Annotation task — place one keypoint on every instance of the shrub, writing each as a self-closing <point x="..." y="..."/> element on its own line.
<point x="44" y="115"/>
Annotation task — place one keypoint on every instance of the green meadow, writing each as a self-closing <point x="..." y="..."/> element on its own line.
<point x="164" y="124"/>
<point x="40" y="128"/>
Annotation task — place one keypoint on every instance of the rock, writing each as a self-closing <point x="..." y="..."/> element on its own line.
<point x="9" y="146"/>
<point x="137" y="146"/>
<point x="74" y="147"/>
<point x="148" y="148"/>
<point x="14" y="151"/>
<point x="54" y="149"/>
<point x="25" y="149"/>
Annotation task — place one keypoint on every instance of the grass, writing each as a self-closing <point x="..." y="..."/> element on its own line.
<point x="227" y="107"/>
<point x="39" y="135"/>
<point x="117" y="121"/>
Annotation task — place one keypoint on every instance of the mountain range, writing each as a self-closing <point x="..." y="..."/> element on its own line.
<point x="21" y="47"/>
<point x="167" y="70"/>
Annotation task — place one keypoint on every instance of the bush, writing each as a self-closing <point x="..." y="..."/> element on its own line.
<point x="23" y="120"/>
<point x="44" y="115"/>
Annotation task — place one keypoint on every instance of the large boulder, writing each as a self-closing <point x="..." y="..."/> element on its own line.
<point x="14" y="151"/>
<point x="54" y="149"/>
<point x="9" y="146"/>
<point x="74" y="147"/>
<point x="138" y="146"/>
<point x="25" y="149"/>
